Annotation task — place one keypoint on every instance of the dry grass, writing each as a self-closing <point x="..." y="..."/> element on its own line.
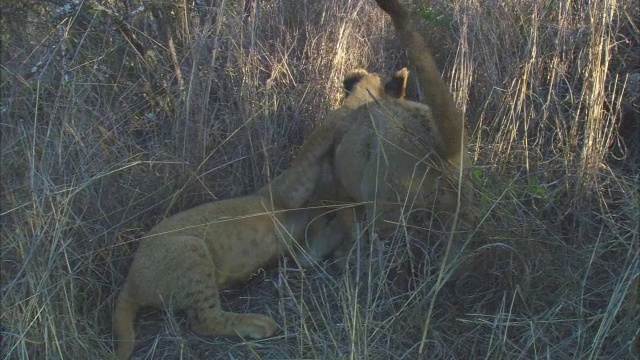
<point x="113" y="117"/>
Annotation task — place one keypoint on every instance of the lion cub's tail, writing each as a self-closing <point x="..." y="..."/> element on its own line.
<point x="125" y="314"/>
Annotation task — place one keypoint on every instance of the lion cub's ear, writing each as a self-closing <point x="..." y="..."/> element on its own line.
<point x="352" y="78"/>
<point x="396" y="87"/>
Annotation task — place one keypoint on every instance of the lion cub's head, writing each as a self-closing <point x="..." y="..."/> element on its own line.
<point x="362" y="87"/>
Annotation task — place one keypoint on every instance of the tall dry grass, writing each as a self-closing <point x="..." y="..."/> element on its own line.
<point x="115" y="116"/>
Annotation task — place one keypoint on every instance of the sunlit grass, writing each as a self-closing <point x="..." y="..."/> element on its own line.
<point x="100" y="140"/>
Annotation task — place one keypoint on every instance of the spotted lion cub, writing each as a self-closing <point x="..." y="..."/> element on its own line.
<point x="398" y="157"/>
<point x="183" y="262"/>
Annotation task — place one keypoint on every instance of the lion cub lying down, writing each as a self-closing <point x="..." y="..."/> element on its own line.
<point x="185" y="260"/>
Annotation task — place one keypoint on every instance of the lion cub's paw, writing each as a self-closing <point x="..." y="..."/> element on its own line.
<point x="255" y="326"/>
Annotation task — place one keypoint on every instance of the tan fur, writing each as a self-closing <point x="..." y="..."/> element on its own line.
<point x="363" y="89"/>
<point x="388" y="158"/>
<point x="447" y="116"/>
<point x="429" y="159"/>
<point x="397" y="155"/>
<point x="185" y="260"/>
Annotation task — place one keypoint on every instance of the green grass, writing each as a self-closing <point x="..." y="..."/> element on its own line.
<point x="100" y="140"/>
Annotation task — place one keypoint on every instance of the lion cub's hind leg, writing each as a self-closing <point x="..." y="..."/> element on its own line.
<point x="178" y="272"/>
<point x="209" y="321"/>
<point x="201" y="299"/>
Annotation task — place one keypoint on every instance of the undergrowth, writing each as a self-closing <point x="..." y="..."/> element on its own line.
<point x="116" y="114"/>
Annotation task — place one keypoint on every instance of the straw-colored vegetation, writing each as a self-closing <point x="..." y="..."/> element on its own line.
<point x="116" y="114"/>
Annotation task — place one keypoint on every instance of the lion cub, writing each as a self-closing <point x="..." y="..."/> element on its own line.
<point x="410" y="155"/>
<point x="396" y="155"/>
<point x="183" y="262"/>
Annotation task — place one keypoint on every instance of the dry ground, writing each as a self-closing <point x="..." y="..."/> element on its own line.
<point x="115" y="115"/>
